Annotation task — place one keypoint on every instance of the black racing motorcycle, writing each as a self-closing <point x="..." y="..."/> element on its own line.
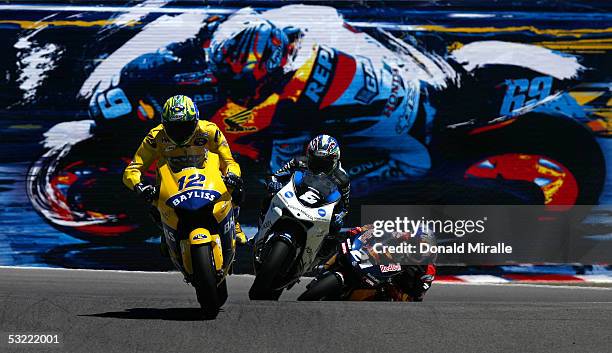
<point x="356" y="273"/>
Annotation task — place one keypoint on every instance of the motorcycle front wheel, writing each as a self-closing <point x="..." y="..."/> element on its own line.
<point x="327" y="287"/>
<point x="262" y="288"/>
<point x="205" y="280"/>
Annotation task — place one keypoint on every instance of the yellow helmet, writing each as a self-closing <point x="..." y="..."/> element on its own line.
<point x="180" y="118"/>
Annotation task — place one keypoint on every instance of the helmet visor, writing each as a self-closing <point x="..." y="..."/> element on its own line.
<point x="320" y="165"/>
<point x="180" y="131"/>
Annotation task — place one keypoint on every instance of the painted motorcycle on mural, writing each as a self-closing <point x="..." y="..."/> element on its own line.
<point x="485" y="122"/>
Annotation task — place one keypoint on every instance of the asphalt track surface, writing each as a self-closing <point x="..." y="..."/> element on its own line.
<point x="103" y="311"/>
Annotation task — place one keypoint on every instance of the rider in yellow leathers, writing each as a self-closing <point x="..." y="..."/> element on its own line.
<point x="180" y="140"/>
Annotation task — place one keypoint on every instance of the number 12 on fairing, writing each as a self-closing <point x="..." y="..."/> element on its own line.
<point x="194" y="180"/>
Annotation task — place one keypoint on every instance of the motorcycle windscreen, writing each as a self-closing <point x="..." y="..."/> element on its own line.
<point x="179" y="163"/>
<point x="315" y="190"/>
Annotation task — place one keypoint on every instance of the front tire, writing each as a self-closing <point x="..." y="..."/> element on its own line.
<point x="325" y="288"/>
<point x="205" y="280"/>
<point x="262" y="288"/>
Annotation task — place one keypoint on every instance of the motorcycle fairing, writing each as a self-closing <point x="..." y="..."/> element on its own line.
<point x="184" y="195"/>
<point x="321" y="189"/>
<point x="193" y="199"/>
<point x="315" y="221"/>
<point x="361" y="260"/>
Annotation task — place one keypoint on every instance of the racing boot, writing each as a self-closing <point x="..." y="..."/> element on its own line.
<point x="241" y="238"/>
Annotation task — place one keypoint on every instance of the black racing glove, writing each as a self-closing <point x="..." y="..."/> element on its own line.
<point x="232" y="180"/>
<point x="414" y="282"/>
<point x="338" y="220"/>
<point x="274" y="186"/>
<point x="146" y="191"/>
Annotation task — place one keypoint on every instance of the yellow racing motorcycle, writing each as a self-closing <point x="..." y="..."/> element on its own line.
<point x="198" y="221"/>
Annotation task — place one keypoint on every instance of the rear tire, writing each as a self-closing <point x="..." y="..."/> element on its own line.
<point x="262" y="288"/>
<point x="205" y="280"/>
<point x="326" y="288"/>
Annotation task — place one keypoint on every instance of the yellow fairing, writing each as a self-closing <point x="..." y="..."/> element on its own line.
<point x="196" y="185"/>
<point x="197" y="237"/>
<point x="171" y="181"/>
<point x="202" y="236"/>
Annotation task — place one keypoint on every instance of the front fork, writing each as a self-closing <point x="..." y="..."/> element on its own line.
<point x="262" y="247"/>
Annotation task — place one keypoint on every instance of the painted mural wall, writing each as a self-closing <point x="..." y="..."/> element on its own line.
<point x="461" y="103"/>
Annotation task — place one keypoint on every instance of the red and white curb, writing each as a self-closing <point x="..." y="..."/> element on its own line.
<point x="525" y="278"/>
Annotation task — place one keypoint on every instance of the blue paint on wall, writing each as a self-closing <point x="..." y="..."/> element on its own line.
<point x="68" y="54"/>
